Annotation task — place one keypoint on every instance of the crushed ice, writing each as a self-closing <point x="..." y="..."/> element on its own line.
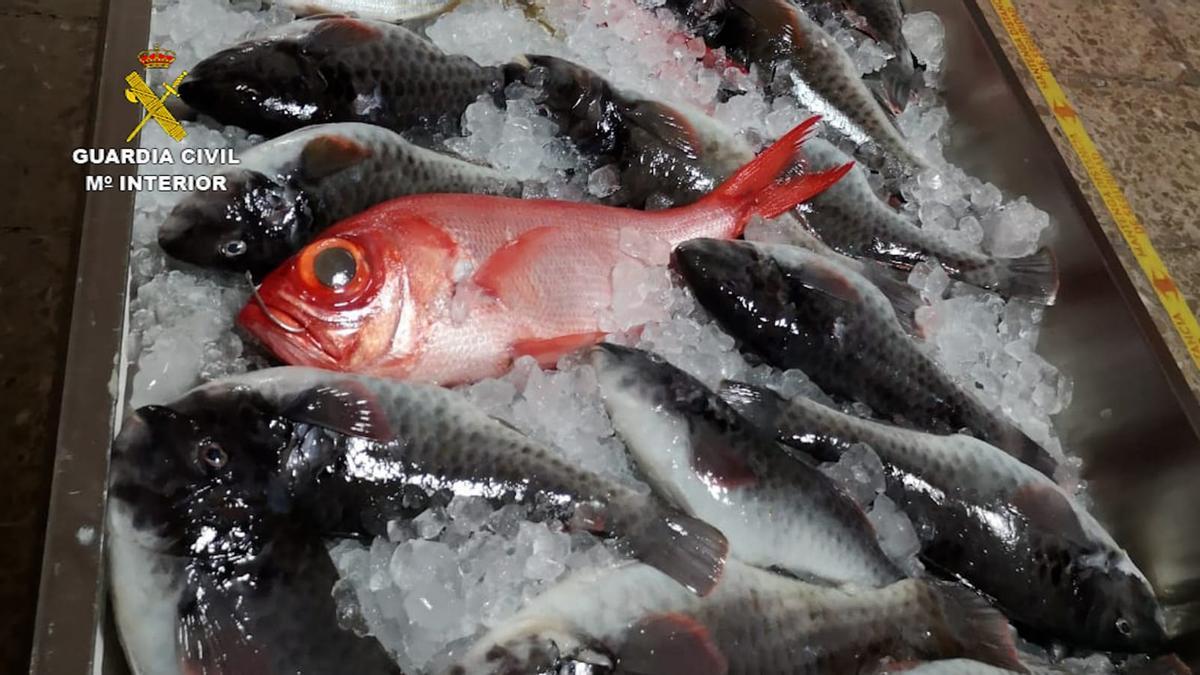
<point x="462" y="567"/>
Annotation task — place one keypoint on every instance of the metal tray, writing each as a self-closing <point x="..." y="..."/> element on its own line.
<point x="1133" y="420"/>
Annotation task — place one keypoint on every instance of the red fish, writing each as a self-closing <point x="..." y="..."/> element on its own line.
<point x="451" y="288"/>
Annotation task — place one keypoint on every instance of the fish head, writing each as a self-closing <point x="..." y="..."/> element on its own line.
<point x="543" y="645"/>
<point x="580" y="101"/>
<point x="252" y="225"/>
<point x="670" y="420"/>
<point x="736" y="281"/>
<point x="202" y="467"/>
<point x="1118" y="607"/>
<point x="355" y="299"/>
<point x="266" y="86"/>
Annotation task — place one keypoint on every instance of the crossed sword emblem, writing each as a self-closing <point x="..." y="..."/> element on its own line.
<point x="140" y="92"/>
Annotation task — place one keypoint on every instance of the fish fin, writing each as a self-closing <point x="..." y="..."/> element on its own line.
<point x="761" y="172"/>
<point x="210" y="641"/>
<point x="548" y="276"/>
<point x="1049" y="510"/>
<point x="687" y="549"/>
<point x="1033" y="277"/>
<point x="712" y="456"/>
<point x="780" y="198"/>
<point x="1016" y="443"/>
<point x="826" y="280"/>
<point x="666" y="124"/>
<point x="346" y="407"/>
<point x="340" y="32"/>
<point x="897" y="81"/>
<point x="549" y="350"/>
<point x="329" y="154"/>
<point x="973" y="628"/>
<point x="666" y="644"/>
<point x="905" y="299"/>
<point x="760" y="406"/>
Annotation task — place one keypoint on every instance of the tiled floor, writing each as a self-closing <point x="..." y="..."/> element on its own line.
<point x="1132" y="67"/>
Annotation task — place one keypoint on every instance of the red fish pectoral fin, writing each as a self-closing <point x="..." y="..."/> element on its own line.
<point x="549" y="351"/>
<point x="671" y="643"/>
<point x="554" y="281"/>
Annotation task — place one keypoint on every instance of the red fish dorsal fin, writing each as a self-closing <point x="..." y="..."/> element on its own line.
<point x="554" y="281"/>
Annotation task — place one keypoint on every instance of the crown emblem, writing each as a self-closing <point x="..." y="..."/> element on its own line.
<point x="156" y="57"/>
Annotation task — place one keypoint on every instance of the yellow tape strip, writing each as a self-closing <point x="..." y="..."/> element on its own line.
<point x="1127" y="221"/>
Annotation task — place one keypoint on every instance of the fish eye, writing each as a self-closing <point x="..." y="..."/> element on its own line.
<point x="213" y="455"/>
<point x="333" y="264"/>
<point x="1124" y="627"/>
<point x="233" y="249"/>
<point x="335" y="267"/>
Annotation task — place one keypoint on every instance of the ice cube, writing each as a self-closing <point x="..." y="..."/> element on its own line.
<point x="926" y="38"/>
<point x="604" y="181"/>
<point x="430" y="523"/>
<point x="859" y="471"/>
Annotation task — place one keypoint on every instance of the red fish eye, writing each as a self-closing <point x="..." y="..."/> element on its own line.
<point x="213" y="455"/>
<point x="333" y="265"/>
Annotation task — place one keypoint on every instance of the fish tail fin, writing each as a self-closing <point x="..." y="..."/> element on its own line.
<point x="687" y="549"/>
<point x="969" y="627"/>
<point x="1034" y="277"/>
<point x="897" y="81"/>
<point x="779" y="198"/>
<point x="754" y="190"/>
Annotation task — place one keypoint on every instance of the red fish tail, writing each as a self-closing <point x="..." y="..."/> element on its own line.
<point x="754" y="190"/>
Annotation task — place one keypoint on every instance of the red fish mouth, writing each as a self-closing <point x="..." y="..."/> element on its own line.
<point x="298" y="346"/>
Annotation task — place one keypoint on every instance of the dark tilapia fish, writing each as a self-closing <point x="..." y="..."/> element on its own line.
<point x="632" y="619"/>
<point x="352" y="446"/>
<point x="884" y="21"/>
<point x="991" y="521"/>
<point x="795" y="309"/>
<point x="702" y="456"/>
<point x="213" y="568"/>
<point x="850" y="218"/>
<point x="774" y="34"/>
<point x="337" y="69"/>
<point x="286" y="190"/>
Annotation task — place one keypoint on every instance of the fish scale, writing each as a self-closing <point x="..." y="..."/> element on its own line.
<point x="691" y="445"/>
<point x="987" y="518"/>
<point x="338" y="69"/>
<point x="796" y="309"/>
<point x="755" y="622"/>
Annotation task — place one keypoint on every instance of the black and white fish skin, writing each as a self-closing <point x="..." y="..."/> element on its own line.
<point x="633" y="617"/>
<point x="852" y="219"/>
<point x="286" y="190"/>
<point x="338" y="69"/>
<point x="990" y="520"/>
<point x="362" y="442"/>
<point x="212" y="568"/>
<point x="781" y="39"/>
<point x="795" y="309"/>
<point x="697" y="452"/>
